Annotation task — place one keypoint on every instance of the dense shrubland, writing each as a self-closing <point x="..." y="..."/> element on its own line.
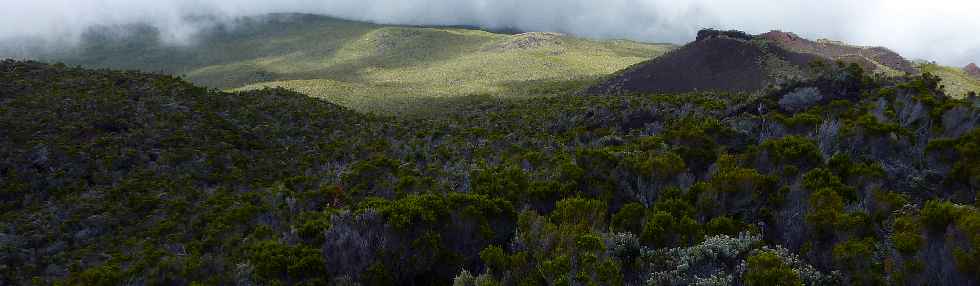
<point x="128" y="178"/>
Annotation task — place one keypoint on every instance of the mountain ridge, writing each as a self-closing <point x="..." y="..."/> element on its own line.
<point x="735" y="61"/>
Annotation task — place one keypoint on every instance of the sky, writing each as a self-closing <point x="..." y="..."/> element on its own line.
<point x="946" y="31"/>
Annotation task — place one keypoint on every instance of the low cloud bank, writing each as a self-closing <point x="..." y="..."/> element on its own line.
<point x="940" y="30"/>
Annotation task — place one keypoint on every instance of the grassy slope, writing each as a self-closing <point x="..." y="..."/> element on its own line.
<point x="957" y="82"/>
<point x="369" y="67"/>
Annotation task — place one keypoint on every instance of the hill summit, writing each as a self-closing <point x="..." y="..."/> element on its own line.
<point x="972" y="70"/>
<point x="739" y="62"/>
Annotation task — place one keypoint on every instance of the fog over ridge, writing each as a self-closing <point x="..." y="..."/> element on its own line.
<point x="941" y="30"/>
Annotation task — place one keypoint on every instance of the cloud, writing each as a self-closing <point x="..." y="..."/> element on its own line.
<point x="942" y="30"/>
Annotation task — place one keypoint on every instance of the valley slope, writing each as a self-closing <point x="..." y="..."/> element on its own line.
<point x="368" y="67"/>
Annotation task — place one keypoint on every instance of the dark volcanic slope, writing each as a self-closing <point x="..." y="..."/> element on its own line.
<point x="738" y="62"/>
<point x="721" y="61"/>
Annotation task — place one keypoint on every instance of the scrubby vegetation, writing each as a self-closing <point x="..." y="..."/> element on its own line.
<point x="129" y="178"/>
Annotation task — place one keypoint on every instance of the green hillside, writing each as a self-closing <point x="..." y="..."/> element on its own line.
<point x="364" y="66"/>
<point x="957" y="82"/>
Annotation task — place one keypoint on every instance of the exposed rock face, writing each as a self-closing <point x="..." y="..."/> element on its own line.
<point x="972" y="70"/>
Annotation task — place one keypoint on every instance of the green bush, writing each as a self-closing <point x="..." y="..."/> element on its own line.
<point x="107" y="274"/>
<point x="664" y="230"/>
<point x="510" y="183"/>
<point x="794" y="150"/>
<point x="663" y="166"/>
<point x="693" y="144"/>
<point x="589" y="242"/>
<point x="852" y="256"/>
<point x="821" y="178"/>
<point x="275" y="261"/>
<point x="826" y="211"/>
<point x="629" y="219"/>
<point x="495" y="258"/>
<point x="373" y="177"/>
<point x="937" y="215"/>
<point x="676" y="207"/>
<point x="767" y="269"/>
<point x="580" y="212"/>
<point x="722" y="225"/>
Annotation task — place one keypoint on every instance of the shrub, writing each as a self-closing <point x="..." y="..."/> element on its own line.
<point x="854" y="257"/>
<point x="801" y="120"/>
<point x="800" y="99"/>
<point x="937" y="215"/>
<point x="629" y="219"/>
<point x="676" y="207"/>
<point x="662" y="166"/>
<point x="585" y="213"/>
<point x="826" y="210"/>
<point x="847" y="170"/>
<point x="906" y="242"/>
<point x="766" y="269"/>
<point x="682" y="265"/>
<point x="108" y="274"/>
<point x="373" y="177"/>
<point x="793" y="150"/>
<point x="663" y="230"/>
<point x="735" y="191"/>
<point x="511" y="183"/>
<point x="276" y="261"/>
<point x="821" y="178"/>
<point x="694" y="145"/>
<point x="853" y="253"/>
<point x="589" y="242"/>
<point x="742" y="180"/>
<point x="722" y="225"/>
<point x="495" y="259"/>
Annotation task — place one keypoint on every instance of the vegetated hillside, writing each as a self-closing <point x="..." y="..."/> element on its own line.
<point x="879" y="60"/>
<point x="128" y="178"/>
<point x="363" y="66"/>
<point x="957" y="82"/>
<point x="874" y="59"/>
